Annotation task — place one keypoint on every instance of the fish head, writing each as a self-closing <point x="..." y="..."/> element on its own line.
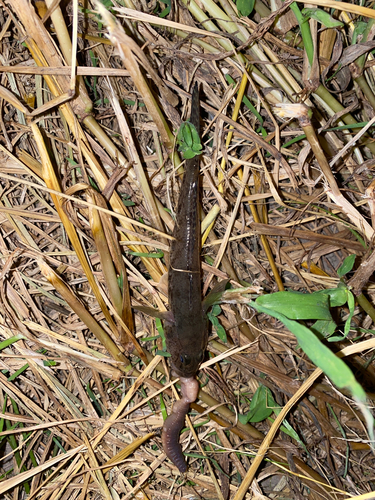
<point x="186" y="363"/>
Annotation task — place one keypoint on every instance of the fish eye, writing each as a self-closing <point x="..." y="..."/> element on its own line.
<point x="185" y="359"/>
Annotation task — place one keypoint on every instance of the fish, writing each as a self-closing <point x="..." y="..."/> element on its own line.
<point x="186" y="330"/>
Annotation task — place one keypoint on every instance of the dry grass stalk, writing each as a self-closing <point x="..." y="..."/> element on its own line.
<point x="89" y="181"/>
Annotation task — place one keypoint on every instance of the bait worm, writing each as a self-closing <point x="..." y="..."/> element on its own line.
<point x="174" y="423"/>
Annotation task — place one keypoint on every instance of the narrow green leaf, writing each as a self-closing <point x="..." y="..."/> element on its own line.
<point x="160" y="329"/>
<point x="220" y="330"/>
<point x="12" y="340"/>
<point x="334" y="367"/>
<point x="322" y="17"/>
<point x="154" y="255"/>
<point x="346" y="266"/>
<point x="163" y="408"/>
<point x="351" y="305"/>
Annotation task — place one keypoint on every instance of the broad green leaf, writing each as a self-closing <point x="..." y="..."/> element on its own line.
<point x="337" y="296"/>
<point x="347" y="266"/>
<point x="322" y="17"/>
<point x="323" y="329"/>
<point x="189" y="154"/>
<point x="298" y="305"/>
<point x="261" y="406"/>
<point x="245" y="7"/>
<point x="320" y="355"/>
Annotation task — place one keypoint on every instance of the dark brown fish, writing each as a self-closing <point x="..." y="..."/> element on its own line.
<point x="186" y="333"/>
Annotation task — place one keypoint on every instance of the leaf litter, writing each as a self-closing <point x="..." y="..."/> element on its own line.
<point x="92" y="100"/>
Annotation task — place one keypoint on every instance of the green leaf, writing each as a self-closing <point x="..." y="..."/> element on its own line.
<point x="167" y="10"/>
<point x="94" y="400"/>
<point x="220" y="330"/>
<point x="245" y="7"/>
<point x="298" y="305"/>
<point x="337" y="296"/>
<point x="189" y="154"/>
<point x="216" y="310"/>
<point x="347" y="266"/>
<point x="165" y="354"/>
<point x="261" y="406"/>
<point x="126" y="201"/>
<point x="324" y="329"/>
<point x="10" y="341"/>
<point x="322" y="17"/>
<point x="188" y="141"/>
<point x="154" y="255"/>
<point x="359" y="29"/>
<point x="247" y="103"/>
<point x="351" y="305"/>
<point x="18" y="372"/>
<point x="334" y="367"/>
<point x="49" y="362"/>
<point x="120" y="282"/>
<point x="107" y="4"/>
<point x="243" y="419"/>
<point x="160" y="329"/>
<point x="163" y="408"/>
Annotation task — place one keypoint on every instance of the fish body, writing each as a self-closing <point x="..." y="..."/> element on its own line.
<point x="186" y="335"/>
<point x="186" y="331"/>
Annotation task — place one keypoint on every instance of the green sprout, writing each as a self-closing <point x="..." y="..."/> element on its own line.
<point x="188" y="141"/>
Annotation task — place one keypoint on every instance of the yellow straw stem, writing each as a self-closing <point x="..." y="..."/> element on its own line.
<point x="84" y="315"/>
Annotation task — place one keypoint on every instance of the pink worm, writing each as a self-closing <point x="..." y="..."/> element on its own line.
<point x="174" y="423"/>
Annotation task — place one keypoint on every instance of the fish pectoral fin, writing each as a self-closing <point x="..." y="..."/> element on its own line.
<point x="155" y="313"/>
<point x="215" y="295"/>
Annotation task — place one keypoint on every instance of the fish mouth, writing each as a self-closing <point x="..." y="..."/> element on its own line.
<point x="183" y="374"/>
